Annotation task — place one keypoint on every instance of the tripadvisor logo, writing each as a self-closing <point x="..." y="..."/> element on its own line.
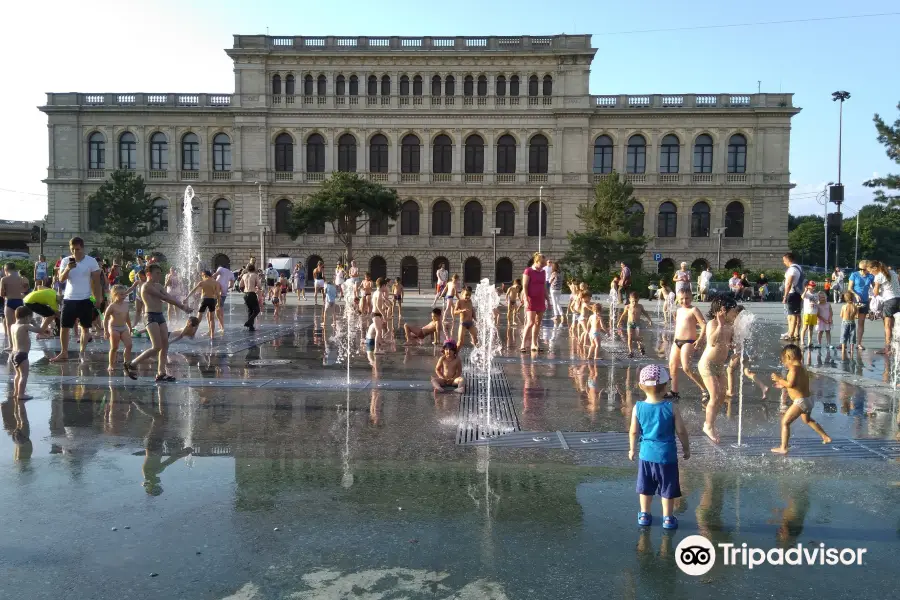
<point x="696" y="555"/>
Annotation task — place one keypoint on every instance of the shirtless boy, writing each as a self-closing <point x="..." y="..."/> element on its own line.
<point x="448" y="370"/>
<point x="117" y="325"/>
<point x="250" y="283"/>
<point x="210" y="291"/>
<point x="634" y="312"/>
<point x="13" y="288"/>
<point x="688" y="319"/>
<point x="712" y="365"/>
<point x="21" y="345"/>
<point x="153" y="296"/>
<point x="451" y="290"/>
<point x="466" y="312"/>
<point x="512" y="301"/>
<point x="797" y="385"/>
<point x="420" y="333"/>
<point x="596" y="330"/>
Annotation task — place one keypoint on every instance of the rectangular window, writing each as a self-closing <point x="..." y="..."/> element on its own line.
<point x="190" y="160"/>
<point x="409" y="158"/>
<point x="737" y="159"/>
<point x="637" y="159"/>
<point x="222" y="157"/>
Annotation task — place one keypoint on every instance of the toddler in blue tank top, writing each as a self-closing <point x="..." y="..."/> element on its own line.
<point x="656" y="421"/>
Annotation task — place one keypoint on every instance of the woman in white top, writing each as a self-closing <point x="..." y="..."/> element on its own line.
<point x="837" y="283"/>
<point x="887" y="286"/>
<point x="682" y="279"/>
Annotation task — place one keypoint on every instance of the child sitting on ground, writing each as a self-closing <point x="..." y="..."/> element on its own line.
<point x="657" y="422"/>
<point x="797" y="385"/>
<point x="21" y="345"/>
<point x="117" y="325"/>
<point x="849" y="314"/>
<point x="448" y="370"/>
<point x="825" y="318"/>
<point x="420" y="333"/>
<point x="188" y="331"/>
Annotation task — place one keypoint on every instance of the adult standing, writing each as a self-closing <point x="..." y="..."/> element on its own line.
<point x="225" y="279"/>
<point x="533" y="281"/>
<point x="318" y="282"/>
<point x="81" y="275"/>
<point x="792" y="299"/>
<point x="442" y="275"/>
<point x="41" y="270"/>
<point x="300" y="280"/>
<point x="703" y="281"/>
<point x="353" y="273"/>
<point x="859" y="283"/>
<point x="556" y="282"/>
<point x="250" y="283"/>
<point x="682" y="279"/>
<point x="837" y="283"/>
<point x="624" y="280"/>
<point x="548" y="268"/>
<point x="886" y="285"/>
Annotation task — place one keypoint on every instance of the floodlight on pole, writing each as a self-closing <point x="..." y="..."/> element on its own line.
<point x="719" y="231"/>
<point x="495" y="231"/>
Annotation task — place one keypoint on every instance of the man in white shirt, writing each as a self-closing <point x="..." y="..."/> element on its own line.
<point x="442" y="275"/>
<point x="704" y="279"/>
<point x="224" y="277"/>
<point x="81" y="275"/>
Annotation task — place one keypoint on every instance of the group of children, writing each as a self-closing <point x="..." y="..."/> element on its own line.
<point x="819" y="316"/>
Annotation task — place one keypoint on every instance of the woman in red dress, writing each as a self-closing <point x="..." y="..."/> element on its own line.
<point x="534" y="291"/>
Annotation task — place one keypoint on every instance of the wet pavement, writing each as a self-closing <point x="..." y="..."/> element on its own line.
<point x="262" y="474"/>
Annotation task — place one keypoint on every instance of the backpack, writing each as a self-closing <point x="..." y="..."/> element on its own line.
<point x="798" y="285"/>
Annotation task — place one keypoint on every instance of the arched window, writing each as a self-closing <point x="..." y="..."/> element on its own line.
<point x="442" y="155"/>
<point x="417" y="85"/>
<point x="548" y="86"/>
<point x="699" y="265"/>
<point x="96" y="151"/>
<point x="378" y="154"/>
<point x="473" y="219"/>
<point x="409" y="272"/>
<point x="284" y="152"/>
<point x="95" y="215"/>
<point x="340" y="86"/>
<point x="404" y="85"/>
<point x="222" y="216"/>
<point x="667" y="220"/>
<point x="190" y="152"/>
<point x="734" y="220"/>
<point x="161" y="214"/>
<point x="468" y="86"/>
<point x="159" y="152"/>
<point x="700" y="220"/>
<point x="276" y="85"/>
<point x="410" y="161"/>
<point x="385" y="85"/>
<point x="501" y="85"/>
<point x="474" y="154"/>
<point x="127" y="151"/>
<point x="506" y="154"/>
<point x="436" y="85"/>
<point x="441" y="217"/>
<point x="308" y="85"/>
<point x="195" y="214"/>
<point x="378" y="267"/>
<point x="450" y="86"/>
<point x="538" y="154"/>
<point x="221" y="260"/>
<point x="514" y="85"/>
<point x="378" y="226"/>
<point x="289" y="85"/>
<point x="347" y="153"/>
<point x="472" y="270"/>
<point x="221" y="152"/>
<point x="354" y="86"/>
<point x="533" y="85"/>
<point x="409" y="218"/>
<point x="321" y="85"/>
<point x="703" y="154"/>
<point x="603" y="155"/>
<point x="666" y="267"/>
<point x="737" y="154"/>
<point x="482" y="85"/>
<point x="315" y="154"/>
<point x="669" y="152"/>
<point x="283" y="215"/>
<point x="372" y="86"/>
<point x="536" y="222"/>
<point x="505" y="219"/>
<point x="503" y="271"/>
<point x="436" y="265"/>
<point x="637" y="155"/>
<point x="636" y="219"/>
<point x="735" y="264"/>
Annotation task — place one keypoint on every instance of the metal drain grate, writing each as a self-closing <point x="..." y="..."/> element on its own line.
<point x="477" y="419"/>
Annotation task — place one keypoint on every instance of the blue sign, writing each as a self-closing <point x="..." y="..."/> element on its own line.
<point x="140" y="252"/>
<point x="657" y="257"/>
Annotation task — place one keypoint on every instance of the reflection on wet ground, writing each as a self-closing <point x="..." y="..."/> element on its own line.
<point x="253" y="477"/>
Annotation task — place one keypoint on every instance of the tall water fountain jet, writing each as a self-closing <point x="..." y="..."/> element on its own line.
<point x="345" y="338"/>
<point x="485" y="301"/>
<point x="743" y="325"/>
<point x="187" y="245"/>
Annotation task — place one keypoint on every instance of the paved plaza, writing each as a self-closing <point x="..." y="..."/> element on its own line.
<point x="268" y="470"/>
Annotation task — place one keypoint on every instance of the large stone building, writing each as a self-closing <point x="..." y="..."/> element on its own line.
<point x="471" y="131"/>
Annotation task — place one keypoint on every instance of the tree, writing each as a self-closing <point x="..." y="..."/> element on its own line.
<point x="890" y="137"/>
<point x="807" y="242"/>
<point x="123" y="214"/>
<point x="795" y="222"/>
<point x="608" y="231"/>
<point x="349" y="203"/>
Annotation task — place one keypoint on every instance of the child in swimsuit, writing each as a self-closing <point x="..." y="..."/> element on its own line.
<point x="797" y="385"/>
<point x="512" y="301"/>
<point x="466" y="313"/>
<point x="117" y="325"/>
<point x="210" y="292"/>
<point x="584" y="315"/>
<point x="189" y="330"/>
<point x="634" y="312"/>
<point x="397" y="292"/>
<point x="688" y="319"/>
<point x="21" y="345"/>
<point x="596" y="329"/>
<point x="450" y="293"/>
<point x="448" y="370"/>
<point x="712" y="365"/>
<point x="420" y="333"/>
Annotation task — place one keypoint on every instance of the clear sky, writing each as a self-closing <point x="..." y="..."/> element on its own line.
<point x="178" y="46"/>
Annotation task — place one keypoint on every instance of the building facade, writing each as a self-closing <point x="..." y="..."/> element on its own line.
<point x="473" y="132"/>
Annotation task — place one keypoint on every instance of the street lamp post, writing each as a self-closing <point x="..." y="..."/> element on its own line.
<point x="495" y="231"/>
<point x="837" y="191"/>
<point x="719" y="231"/>
<point x="262" y="228"/>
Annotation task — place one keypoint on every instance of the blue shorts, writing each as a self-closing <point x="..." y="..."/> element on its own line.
<point x="658" y="478"/>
